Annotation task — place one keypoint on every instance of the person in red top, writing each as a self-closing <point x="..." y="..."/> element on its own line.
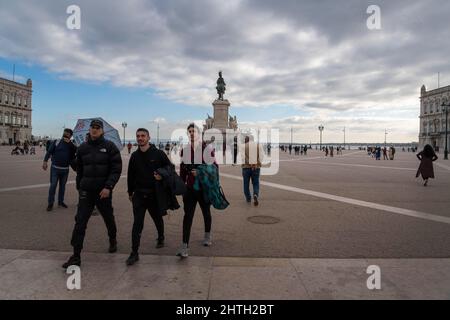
<point x="192" y="155"/>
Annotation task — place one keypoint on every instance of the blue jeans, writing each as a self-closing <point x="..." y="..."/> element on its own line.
<point x="247" y="174"/>
<point x="57" y="175"/>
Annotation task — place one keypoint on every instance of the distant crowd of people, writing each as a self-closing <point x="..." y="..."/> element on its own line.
<point x="375" y="152"/>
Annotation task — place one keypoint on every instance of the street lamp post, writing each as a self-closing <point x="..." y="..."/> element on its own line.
<point x="385" y="134"/>
<point x="344" y="138"/>
<point x="124" y="125"/>
<point x="157" y="134"/>
<point x="446" y="129"/>
<point x="321" y="127"/>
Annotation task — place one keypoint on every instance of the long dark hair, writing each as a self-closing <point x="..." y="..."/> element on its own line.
<point x="428" y="151"/>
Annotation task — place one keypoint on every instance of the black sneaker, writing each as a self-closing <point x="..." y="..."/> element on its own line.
<point x="159" y="243"/>
<point x="73" y="261"/>
<point x="62" y="204"/>
<point x="132" y="259"/>
<point x="112" y="246"/>
<point x="50" y="207"/>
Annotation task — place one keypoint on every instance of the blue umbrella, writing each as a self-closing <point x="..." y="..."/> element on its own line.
<point x="82" y="128"/>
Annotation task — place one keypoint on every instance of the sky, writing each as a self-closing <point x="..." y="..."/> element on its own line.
<point x="287" y="64"/>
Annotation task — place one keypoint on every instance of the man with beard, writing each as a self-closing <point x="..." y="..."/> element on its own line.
<point x="142" y="189"/>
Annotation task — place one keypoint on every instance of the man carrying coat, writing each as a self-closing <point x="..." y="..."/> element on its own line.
<point x="99" y="166"/>
<point x="145" y="190"/>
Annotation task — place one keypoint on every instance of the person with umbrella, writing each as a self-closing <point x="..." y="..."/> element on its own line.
<point x="99" y="166"/>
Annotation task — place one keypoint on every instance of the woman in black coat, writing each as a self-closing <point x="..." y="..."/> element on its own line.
<point x="426" y="157"/>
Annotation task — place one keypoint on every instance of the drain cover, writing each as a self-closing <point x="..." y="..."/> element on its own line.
<point x="263" y="220"/>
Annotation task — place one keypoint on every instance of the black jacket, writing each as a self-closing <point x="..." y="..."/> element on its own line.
<point x="172" y="180"/>
<point x="140" y="177"/>
<point x="141" y="169"/>
<point x="99" y="165"/>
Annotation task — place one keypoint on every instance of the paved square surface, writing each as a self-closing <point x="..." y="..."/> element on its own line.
<point x="349" y="206"/>
<point x="333" y="218"/>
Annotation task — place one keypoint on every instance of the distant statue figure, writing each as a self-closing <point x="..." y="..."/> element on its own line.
<point x="220" y="86"/>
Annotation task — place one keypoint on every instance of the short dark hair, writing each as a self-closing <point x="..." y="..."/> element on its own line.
<point x="192" y="125"/>
<point x="69" y="131"/>
<point x="144" y="130"/>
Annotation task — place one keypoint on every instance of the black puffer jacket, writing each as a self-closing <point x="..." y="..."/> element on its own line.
<point x="99" y="165"/>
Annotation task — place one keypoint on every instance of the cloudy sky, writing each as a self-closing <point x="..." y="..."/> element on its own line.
<point x="287" y="63"/>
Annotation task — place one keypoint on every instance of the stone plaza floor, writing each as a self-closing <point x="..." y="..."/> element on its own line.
<point x="320" y="223"/>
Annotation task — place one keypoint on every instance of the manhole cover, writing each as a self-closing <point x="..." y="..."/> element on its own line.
<point x="263" y="220"/>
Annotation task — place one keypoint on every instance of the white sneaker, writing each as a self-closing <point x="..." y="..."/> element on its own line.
<point x="183" y="252"/>
<point x="207" y="241"/>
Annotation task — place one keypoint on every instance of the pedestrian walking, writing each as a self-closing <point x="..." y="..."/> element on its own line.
<point x="391" y="153"/>
<point x="99" y="166"/>
<point x="193" y="155"/>
<point x="62" y="153"/>
<point x="143" y="182"/>
<point x="426" y="157"/>
<point x="378" y="153"/>
<point x="385" y="157"/>
<point x="129" y="146"/>
<point x="252" y="155"/>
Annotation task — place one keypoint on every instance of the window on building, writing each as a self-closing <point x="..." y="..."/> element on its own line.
<point x="19" y="120"/>
<point x="25" y="101"/>
<point x="18" y="101"/>
<point x="25" y="121"/>
<point x="1" y="118"/>
<point x="6" y="118"/>
<point x="13" y="119"/>
<point x="6" y="98"/>
<point x="13" y="100"/>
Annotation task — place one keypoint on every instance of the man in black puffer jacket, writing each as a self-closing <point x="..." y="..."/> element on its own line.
<point x="99" y="166"/>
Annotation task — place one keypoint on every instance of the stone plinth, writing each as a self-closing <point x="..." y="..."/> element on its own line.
<point x="221" y="114"/>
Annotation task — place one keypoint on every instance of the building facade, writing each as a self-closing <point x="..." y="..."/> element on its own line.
<point x="15" y="111"/>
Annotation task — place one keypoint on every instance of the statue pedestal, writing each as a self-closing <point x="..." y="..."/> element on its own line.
<point x="221" y="114"/>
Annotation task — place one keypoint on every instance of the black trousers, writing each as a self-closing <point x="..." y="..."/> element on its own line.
<point x="86" y="203"/>
<point x="142" y="203"/>
<point x="190" y="200"/>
